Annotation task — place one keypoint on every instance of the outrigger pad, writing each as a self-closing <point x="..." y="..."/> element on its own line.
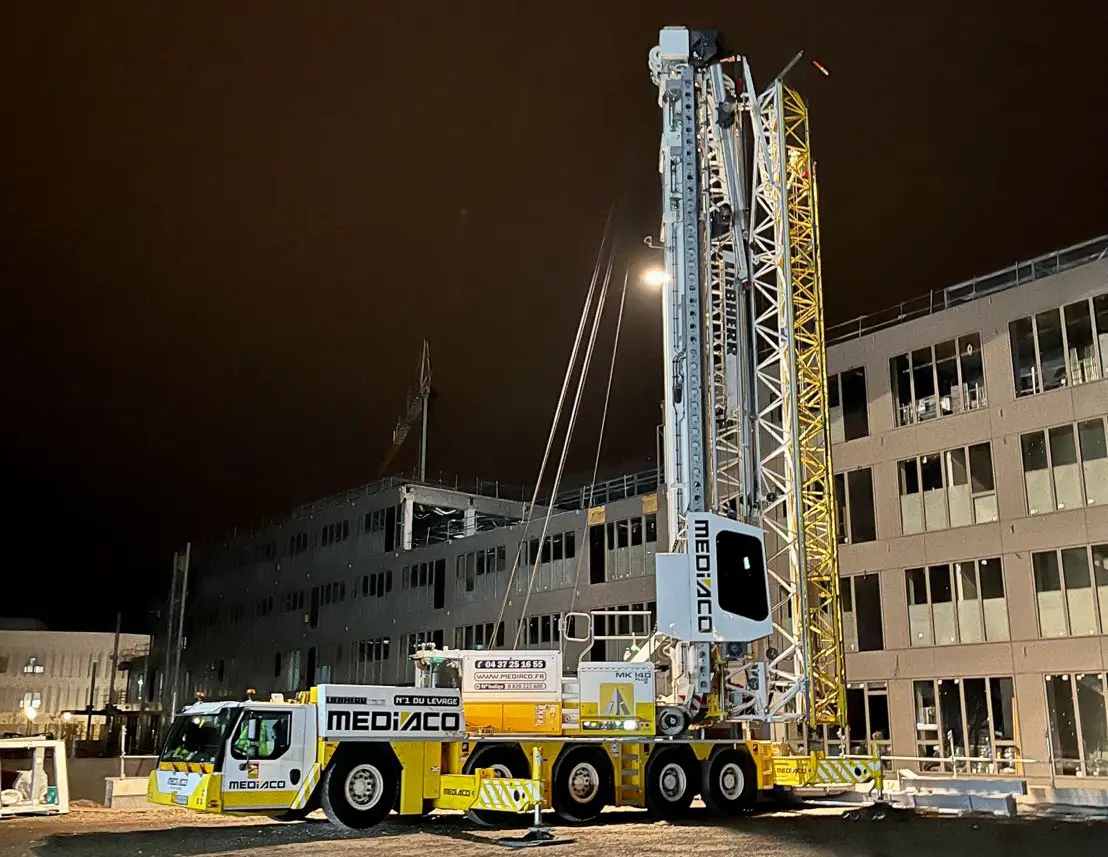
<point x="533" y="838"/>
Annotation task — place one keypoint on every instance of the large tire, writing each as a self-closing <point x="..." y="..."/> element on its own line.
<point x="507" y="761"/>
<point x="360" y="787"/>
<point x="729" y="782"/>
<point x="581" y="784"/>
<point x="672" y="780"/>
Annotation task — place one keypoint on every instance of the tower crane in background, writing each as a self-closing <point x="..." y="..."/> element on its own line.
<point x="418" y="401"/>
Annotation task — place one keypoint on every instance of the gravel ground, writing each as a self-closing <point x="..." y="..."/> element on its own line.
<point x="87" y="832"/>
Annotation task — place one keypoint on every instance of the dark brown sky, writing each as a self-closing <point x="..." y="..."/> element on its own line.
<point x="224" y="228"/>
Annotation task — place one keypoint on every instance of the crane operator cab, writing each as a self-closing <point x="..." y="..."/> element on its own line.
<point x="246" y="757"/>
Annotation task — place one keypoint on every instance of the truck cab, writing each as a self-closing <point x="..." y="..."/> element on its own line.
<point x="249" y="757"/>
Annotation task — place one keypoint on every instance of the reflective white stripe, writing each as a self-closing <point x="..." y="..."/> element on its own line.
<point x="306" y="788"/>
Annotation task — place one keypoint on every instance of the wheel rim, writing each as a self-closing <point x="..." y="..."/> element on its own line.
<point x="731" y="781"/>
<point x="364" y="786"/>
<point x="672" y="782"/>
<point x="583" y="783"/>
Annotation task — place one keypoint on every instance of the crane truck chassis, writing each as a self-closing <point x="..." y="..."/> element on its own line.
<point x="573" y="745"/>
<point x="742" y="639"/>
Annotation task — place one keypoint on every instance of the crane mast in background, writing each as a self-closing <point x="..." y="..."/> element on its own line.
<point x="418" y="401"/>
<point x="746" y="429"/>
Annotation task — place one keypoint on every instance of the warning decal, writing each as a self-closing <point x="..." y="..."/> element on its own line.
<point x="617" y="699"/>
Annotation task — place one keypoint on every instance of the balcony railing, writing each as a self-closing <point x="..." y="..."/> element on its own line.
<point x="990" y="284"/>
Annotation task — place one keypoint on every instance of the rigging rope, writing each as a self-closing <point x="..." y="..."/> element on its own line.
<point x="596" y="460"/>
<point x="569" y="437"/>
<point x="557" y="419"/>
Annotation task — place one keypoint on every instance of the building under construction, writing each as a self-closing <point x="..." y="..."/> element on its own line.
<point x="975" y="606"/>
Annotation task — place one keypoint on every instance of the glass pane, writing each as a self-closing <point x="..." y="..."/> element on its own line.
<point x="1100" y="318"/>
<point x="855" y="403"/>
<point x="942" y="605"/>
<point x="979" y="730"/>
<point x="911" y="500"/>
<point x="1021" y="334"/>
<point x="934" y="495"/>
<point x="1063" y="724"/>
<point x="1003" y="692"/>
<point x="1094" y="728"/>
<point x="1094" y="460"/>
<point x="919" y="613"/>
<point x="901" y="378"/>
<point x="970" y="625"/>
<point x="950" y="713"/>
<point x="923" y="376"/>
<point x="993" y="605"/>
<point x="1048" y="594"/>
<point x="863" y="522"/>
<point x="958" y="494"/>
<point x="867" y="606"/>
<point x="973" y="373"/>
<point x="1052" y="360"/>
<point x="946" y="369"/>
<point x="1065" y="473"/>
<point x="1082" y="362"/>
<point x="1036" y="474"/>
<point x="1080" y="603"/>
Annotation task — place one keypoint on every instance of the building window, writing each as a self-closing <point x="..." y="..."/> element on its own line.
<point x="954" y="488"/>
<point x="861" y="599"/>
<point x="1071" y="590"/>
<point x="962" y="602"/>
<point x="967" y="724"/>
<point x="1078" y="724"/>
<point x="939" y="380"/>
<point x="1059" y="347"/>
<point x="1065" y="467"/>
<point x="854" y="508"/>
<point x="848" y="405"/>
<point x="33" y="667"/>
<point x="867" y="718"/>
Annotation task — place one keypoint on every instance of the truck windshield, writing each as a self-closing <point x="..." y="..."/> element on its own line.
<point x="198" y="737"/>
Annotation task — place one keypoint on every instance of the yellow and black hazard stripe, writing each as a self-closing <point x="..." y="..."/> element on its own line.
<point x="834" y="770"/>
<point x="186" y="767"/>
<point x="508" y="795"/>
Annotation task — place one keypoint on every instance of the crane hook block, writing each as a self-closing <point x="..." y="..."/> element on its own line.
<point x="718" y="590"/>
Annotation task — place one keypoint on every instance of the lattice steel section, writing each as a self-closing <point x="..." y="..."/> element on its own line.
<point x="826" y="703"/>
<point x="775" y="392"/>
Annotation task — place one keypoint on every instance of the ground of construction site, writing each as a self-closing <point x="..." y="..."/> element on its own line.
<point x="88" y="831"/>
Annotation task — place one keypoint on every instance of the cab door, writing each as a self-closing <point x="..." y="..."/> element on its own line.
<point x="267" y="758"/>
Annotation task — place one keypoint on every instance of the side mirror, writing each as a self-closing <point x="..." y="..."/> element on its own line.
<point x="252" y="730"/>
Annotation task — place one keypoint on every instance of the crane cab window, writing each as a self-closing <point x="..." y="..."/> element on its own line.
<point x="262" y="735"/>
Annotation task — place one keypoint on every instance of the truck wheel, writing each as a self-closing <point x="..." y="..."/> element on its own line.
<point x="581" y="784"/>
<point x="729" y="782"/>
<point x="506" y="761"/>
<point x="670" y="783"/>
<point x="359" y="788"/>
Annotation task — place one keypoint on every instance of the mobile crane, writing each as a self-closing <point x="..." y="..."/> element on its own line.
<point x="748" y="634"/>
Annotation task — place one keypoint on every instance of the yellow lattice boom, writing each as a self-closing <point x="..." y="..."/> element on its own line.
<point x="826" y="669"/>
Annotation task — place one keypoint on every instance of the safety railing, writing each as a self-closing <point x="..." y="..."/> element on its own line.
<point x="977" y="287"/>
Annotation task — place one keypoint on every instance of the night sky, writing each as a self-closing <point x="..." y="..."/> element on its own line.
<point x="225" y="228"/>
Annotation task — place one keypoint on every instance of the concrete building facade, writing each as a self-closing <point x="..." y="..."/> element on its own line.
<point x="51" y="672"/>
<point x="968" y="436"/>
